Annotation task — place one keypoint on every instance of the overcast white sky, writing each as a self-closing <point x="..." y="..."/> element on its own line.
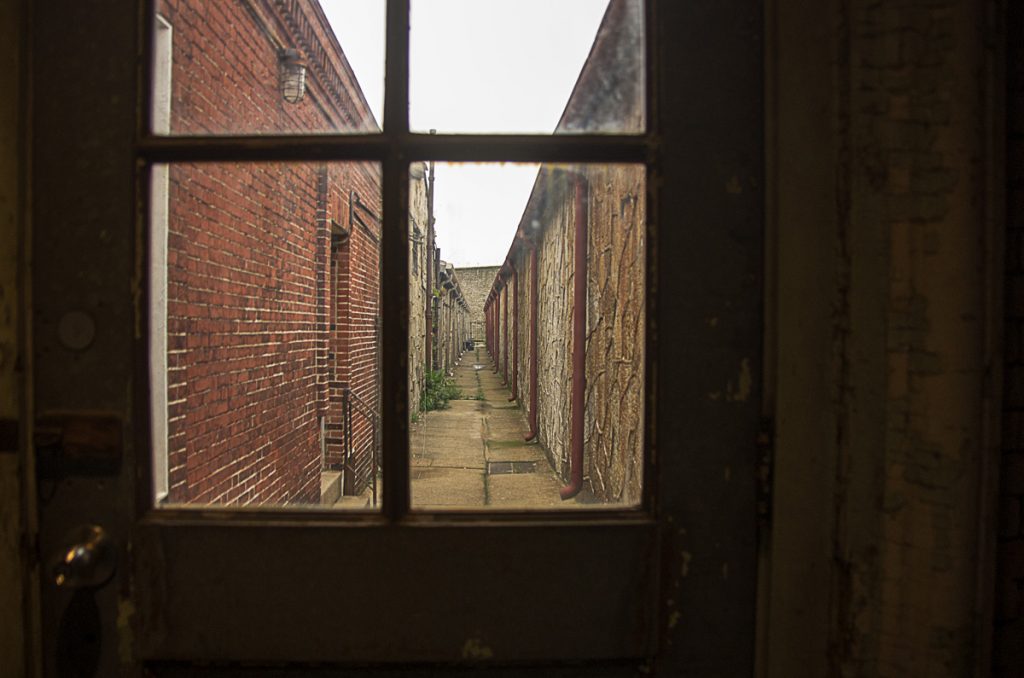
<point x="476" y="66"/>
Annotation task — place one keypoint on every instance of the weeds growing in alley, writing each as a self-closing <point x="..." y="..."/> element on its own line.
<point x="437" y="391"/>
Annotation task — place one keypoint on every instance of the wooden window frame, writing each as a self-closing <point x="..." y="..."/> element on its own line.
<point x="671" y="583"/>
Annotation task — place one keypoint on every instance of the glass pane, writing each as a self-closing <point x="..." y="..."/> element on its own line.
<point x="530" y="66"/>
<point x="265" y="334"/>
<point x="527" y="306"/>
<point x="261" y="67"/>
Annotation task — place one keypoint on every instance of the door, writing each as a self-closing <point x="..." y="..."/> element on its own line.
<point x="667" y="585"/>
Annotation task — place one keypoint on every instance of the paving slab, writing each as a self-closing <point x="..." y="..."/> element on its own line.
<point x="446" y="487"/>
<point x="512" y="450"/>
<point x="525" y="490"/>
<point x="472" y="454"/>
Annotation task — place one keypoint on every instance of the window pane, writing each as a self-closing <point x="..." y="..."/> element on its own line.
<point x="265" y="333"/>
<point x="261" y="67"/>
<point x="527" y="306"/>
<point x="531" y="66"/>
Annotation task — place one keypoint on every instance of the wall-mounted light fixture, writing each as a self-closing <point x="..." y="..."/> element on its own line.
<point x="292" y="75"/>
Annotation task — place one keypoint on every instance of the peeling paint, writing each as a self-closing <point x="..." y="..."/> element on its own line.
<point x="474" y="648"/>
<point x="125" y="635"/>
<point x="673" y="619"/>
<point x="685" y="567"/>
<point x="744" y="384"/>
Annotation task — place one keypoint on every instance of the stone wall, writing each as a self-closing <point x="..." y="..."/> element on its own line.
<point x="476" y="283"/>
<point x="419" y="214"/>
<point x="613" y="414"/>
<point x="451" y="326"/>
<point x="615" y="331"/>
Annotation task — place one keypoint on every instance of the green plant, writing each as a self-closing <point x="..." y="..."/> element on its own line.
<point x="438" y="389"/>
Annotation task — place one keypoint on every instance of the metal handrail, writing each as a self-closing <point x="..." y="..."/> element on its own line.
<point x="351" y="401"/>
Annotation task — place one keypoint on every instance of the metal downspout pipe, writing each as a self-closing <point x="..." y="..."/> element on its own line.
<point x="579" y="341"/>
<point x="497" y="332"/>
<point x="515" y="333"/>
<point x="504" y="344"/>
<point x="534" y="276"/>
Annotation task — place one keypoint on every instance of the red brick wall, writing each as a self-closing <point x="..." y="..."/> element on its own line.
<point x="1008" y="654"/>
<point x="225" y="77"/>
<point x="242" y="333"/>
<point x="355" y="340"/>
<point x="266" y="322"/>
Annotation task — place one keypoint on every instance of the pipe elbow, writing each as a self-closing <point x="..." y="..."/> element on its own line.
<point x="571" y="490"/>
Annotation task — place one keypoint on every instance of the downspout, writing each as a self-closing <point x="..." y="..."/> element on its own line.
<point x="428" y="323"/>
<point x="497" y="331"/>
<point x="579" y="341"/>
<point x="534" y="276"/>
<point x="515" y="333"/>
<point x="504" y="345"/>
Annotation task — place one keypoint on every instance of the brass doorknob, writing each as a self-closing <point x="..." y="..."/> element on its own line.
<point x="88" y="561"/>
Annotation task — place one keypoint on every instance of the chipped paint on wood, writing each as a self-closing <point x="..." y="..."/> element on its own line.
<point x="740" y="392"/>
<point x="475" y="649"/>
<point x="125" y="631"/>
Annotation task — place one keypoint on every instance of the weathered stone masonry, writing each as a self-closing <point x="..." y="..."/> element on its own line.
<point x="609" y="201"/>
<point x="476" y="283"/>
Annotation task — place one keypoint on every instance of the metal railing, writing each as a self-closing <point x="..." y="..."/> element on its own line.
<point x="362" y="456"/>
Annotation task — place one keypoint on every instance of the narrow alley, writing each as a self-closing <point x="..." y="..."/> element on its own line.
<point x="472" y="454"/>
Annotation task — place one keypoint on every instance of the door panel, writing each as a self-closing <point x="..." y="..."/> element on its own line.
<point x="673" y="582"/>
<point x="425" y="593"/>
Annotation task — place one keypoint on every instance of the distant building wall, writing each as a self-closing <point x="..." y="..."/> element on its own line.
<point x="476" y="283"/>
<point x="451" y="332"/>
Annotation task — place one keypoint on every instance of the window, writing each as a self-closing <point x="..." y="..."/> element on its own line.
<point x="672" y="581"/>
<point x="266" y="354"/>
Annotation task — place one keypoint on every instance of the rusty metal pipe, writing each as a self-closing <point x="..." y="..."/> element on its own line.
<point x="534" y="276"/>
<point x="504" y="345"/>
<point x="515" y="333"/>
<point x="579" y="341"/>
<point x="497" y="333"/>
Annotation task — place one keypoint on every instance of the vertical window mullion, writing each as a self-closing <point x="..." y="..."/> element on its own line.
<point x="394" y="267"/>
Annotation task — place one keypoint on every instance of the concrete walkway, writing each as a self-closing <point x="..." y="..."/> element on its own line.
<point x="472" y="454"/>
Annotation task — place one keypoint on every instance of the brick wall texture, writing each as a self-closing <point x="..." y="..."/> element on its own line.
<point x="1008" y="632"/>
<point x="273" y="269"/>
